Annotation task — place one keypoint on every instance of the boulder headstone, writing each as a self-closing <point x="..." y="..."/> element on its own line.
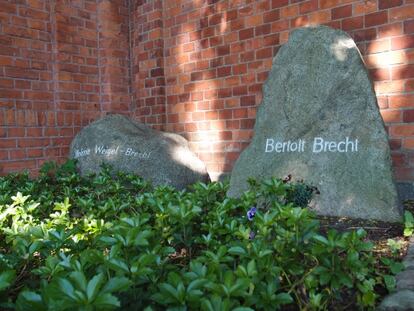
<point x="319" y="122"/>
<point x="132" y="147"/>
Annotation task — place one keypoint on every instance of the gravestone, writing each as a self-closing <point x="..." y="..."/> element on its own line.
<point x="319" y="121"/>
<point x="132" y="147"/>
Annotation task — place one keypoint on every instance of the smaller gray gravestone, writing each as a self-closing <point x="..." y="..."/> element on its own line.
<point x="319" y="121"/>
<point x="132" y="147"/>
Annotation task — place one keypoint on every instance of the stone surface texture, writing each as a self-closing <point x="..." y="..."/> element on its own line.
<point x="132" y="147"/>
<point x="403" y="299"/>
<point x="319" y="87"/>
<point x="405" y="280"/>
<point x="399" y="301"/>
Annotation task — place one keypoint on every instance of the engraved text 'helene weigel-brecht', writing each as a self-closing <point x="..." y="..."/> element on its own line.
<point x="105" y="151"/>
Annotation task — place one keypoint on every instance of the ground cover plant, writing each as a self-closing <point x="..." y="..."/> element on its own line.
<point x="110" y="242"/>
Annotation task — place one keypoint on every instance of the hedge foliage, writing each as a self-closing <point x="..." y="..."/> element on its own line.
<point x="114" y="242"/>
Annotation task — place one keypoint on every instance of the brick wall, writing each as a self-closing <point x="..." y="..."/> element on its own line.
<point x="218" y="53"/>
<point x="195" y="67"/>
<point x="62" y="64"/>
<point x="147" y="62"/>
<point x="26" y="84"/>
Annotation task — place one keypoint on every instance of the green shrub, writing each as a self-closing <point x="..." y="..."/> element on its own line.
<point x="408" y="223"/>
<point x="106" y="242"/>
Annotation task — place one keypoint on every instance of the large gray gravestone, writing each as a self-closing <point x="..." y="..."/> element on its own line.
<point x="132" y="147"/>
<point x="319" y="121"/>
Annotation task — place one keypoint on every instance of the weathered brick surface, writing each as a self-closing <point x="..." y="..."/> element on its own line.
<point x="217" y="56"/>
<point x="26" y="84"/>
<point x="147" y="62"/>
<point x="191" y="67"/>
<point x="62" y="64"/>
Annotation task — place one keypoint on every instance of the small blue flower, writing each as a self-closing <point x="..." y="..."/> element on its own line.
<point x="252" y="235"/>
<point x="251" y="212"/>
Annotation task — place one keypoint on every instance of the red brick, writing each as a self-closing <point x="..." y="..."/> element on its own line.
<point x="254" y="20"/>
<point x="401" y="13"/>
<point x="247" y="57"/>
<point x="402" y="72"/>
<point x="36" y="14"/>
<point x="289" y="11"/>
<point x="279" y="3"/>
<point x="408" y="115"/>
<point x="264" y="53"/>
<point x="402" y="130"/>
<point x="10" y="94"/>
<point x="237" y="24"/>
<point x="390" y="30"/>
<point x="408" y="143"/>
<point x="7" y="7"/>
<point x="409" y="26"/>
<point x="225" y="114"/>
<point x="271" y="40"/>
<point x="35" y="132"/>
<point x="21" y="73"/>
<point x="239" y="69"/>
<point x="386" y="4"/>
<point x="240" y="113"/>
<point x="240" y="90"/>
<point x="195" y="76"/>
<point x="6" y="61"/>
<point x="324" y="4"/>
<point x="15" y="132"/>
<point x="280" y="25"/>
<point x="223" y="93"/>
<point x="308" y="6"/>
<point x="271" y="16"/>
<point x="3" y="156"/>
<point x="249" y="100"/>
<point x="401" y="101"/>
<point x="223" y="50"/>
<point x="342" y="12"/>
<point x="224" y="71"/>
<point x="353" y="23"/>
<point x="409" y="85"/>
<point x="19" y="165"/>
<point x="246" y="34"/>
<point x="6" y="83"/>
<point x="7" y="143"/>
<point x="34" y="153"/>
<point x="391" y="116"/>
<point x="404" y="42"/>
<point x="247" y="123"/>
<point x="262" y="30"/>
<point x="364" y="35"/>
<point x="379" y="74"/>
<point x="375" y="19"/>
<point x="226" y="135"/>
<point x="38" y="95"/>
